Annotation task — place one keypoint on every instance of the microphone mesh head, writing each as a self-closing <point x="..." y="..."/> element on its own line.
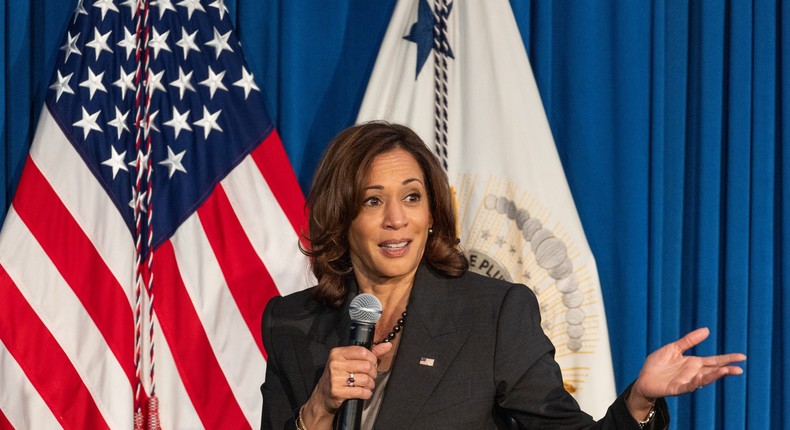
<point x="365" y="308"/>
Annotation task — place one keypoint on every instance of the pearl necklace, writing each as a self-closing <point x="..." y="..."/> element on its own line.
<point x="395" y="330"/>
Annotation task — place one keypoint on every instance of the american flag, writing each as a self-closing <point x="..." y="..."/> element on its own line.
<point x="156" y="215"/>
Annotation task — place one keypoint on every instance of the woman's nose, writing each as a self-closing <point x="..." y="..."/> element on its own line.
<point x="394" y="215"/>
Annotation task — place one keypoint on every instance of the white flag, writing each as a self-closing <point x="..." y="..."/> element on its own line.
<point x="517" y="217"/>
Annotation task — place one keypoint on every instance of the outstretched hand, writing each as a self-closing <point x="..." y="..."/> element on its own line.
<point x="667" y="372"/>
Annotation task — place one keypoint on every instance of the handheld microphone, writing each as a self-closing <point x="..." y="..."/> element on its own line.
<point x="365" y="311"/>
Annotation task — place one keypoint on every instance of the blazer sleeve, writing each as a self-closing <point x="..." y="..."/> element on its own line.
<point x="277" y="403"/>
<point x="529" y="381"/>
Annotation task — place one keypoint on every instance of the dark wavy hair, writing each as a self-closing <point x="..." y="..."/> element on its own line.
<point x="336" y="198"/>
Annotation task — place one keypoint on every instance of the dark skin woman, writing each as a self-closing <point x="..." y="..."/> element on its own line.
<point x="382" y="223"/>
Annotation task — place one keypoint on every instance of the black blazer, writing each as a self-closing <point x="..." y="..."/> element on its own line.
<point x="491" y="360"/>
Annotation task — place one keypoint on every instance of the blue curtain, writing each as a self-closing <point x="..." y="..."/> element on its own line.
<point x="669" y="117"/>
<point x="30" y="37"/>
<point x="670" y="121"/>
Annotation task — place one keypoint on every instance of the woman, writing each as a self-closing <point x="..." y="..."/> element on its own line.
<point x="453" y="349"/>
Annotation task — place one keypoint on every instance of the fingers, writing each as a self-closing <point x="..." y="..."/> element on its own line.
<point x="352" y="353"/>
<point x="381" y="349"/>
<point x="692" y="339"/>
<point x="353" y="386"/>
<point x="723" y="360"/>
<point x="352" y="359"/>
<point x="717" y="374"/>
<point x="352" y="372"/>
<point x="709" y="375"/>
<point x="711" y="369"/>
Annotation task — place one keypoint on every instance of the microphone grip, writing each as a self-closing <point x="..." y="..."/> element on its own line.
<point x="361" y="334"/>
<point x="350" y="415"/>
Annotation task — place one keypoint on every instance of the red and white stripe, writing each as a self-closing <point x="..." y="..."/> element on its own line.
<point x="67" y="282"/>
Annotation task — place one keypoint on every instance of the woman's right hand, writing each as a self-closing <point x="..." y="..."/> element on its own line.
<point x="333" y="387"/>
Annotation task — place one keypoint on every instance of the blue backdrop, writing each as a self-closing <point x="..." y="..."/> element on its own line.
<point x="672" y="119"/>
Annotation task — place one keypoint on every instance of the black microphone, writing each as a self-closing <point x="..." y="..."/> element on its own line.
<point x="365" y="311"/>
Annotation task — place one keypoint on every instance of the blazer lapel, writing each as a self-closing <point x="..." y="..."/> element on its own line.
<point x="329" y="330"/>
<point x="430" y="343"/>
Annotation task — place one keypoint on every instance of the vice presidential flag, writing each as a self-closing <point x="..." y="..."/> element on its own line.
<point x="458" y="74"/>
<point x="156" y="215"/>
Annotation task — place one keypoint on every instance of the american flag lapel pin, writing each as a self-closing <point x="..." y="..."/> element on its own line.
<point x="424" y="361"/>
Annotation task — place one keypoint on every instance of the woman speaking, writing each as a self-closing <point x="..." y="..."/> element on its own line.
<point x="452" y="349"/>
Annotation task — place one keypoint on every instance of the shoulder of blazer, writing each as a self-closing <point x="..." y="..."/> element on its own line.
<point x="293" y="306"/>
<point x="473" y="289"/>
<point x="298" y="315"/>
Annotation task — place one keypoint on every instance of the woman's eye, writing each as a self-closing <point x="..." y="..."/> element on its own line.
<point x="414" y="197"/>
<point x="371" y="201"/>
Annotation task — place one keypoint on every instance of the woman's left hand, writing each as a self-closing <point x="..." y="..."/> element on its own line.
<point x="667" y="372"/>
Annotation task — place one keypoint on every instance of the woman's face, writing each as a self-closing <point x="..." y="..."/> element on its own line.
<point x="388" y="236"/>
